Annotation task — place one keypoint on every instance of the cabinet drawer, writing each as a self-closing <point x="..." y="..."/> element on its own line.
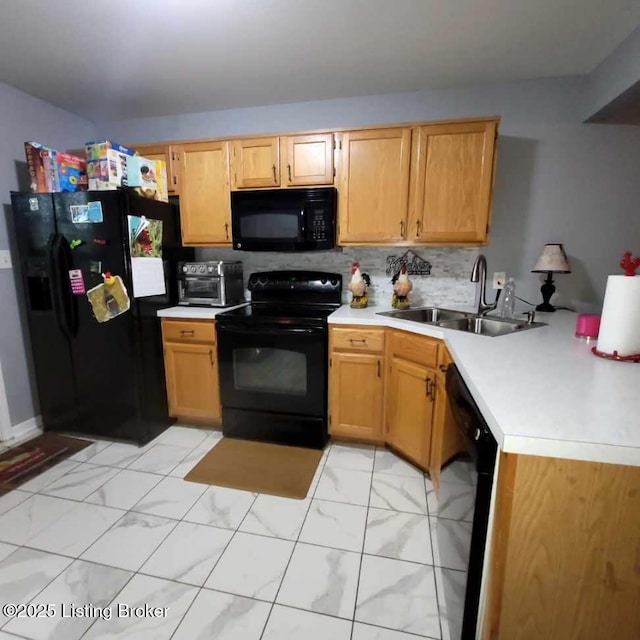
<point x="357" y="339"/>
<point x="188" y="331"/>
<point x="414" y="348"/>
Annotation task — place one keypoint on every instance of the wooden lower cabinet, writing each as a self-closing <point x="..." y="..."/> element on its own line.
<point x="356" y="383"/>
<point x="446" y="439"/>
<point x="191" y="370"/>
<point x="356" y="395"/>
<point x="388" y="387"/>
<point x="565" y="561"/>
<point x="410" y="402"/>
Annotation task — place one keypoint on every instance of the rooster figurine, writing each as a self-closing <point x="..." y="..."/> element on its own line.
<point x="401" y="288"/>
<point x="358" y="286"/>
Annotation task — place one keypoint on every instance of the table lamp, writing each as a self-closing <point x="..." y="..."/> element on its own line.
<point x="553" y="259"/>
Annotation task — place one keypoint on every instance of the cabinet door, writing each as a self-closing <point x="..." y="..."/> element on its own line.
<point x="307" y="160"/>
<point x="452" y="182"/>
<point x="356" y="395"/>
<point x="410" y="401"/>
<point x="373" y="186"/>
<point x="171" y="158"/>
<point x="446" y="439"/>
<point x="192" y="380"/>
<point x="256" y="163"/>
<point x="205" y="207"/>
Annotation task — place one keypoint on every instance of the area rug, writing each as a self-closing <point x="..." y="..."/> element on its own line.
<point x="260" y="467"/>
<point x="21" y="463"/>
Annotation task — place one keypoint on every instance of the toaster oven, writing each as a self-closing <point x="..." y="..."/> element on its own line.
<point x="211" y="284"/>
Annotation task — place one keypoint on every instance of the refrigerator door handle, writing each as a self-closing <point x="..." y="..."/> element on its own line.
<point x="54" y="279"/>
<point x="70" y="303"/>
<point x="64" y="303"/>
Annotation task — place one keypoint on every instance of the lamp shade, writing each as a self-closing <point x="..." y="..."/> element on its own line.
<point x="553" y="259"/>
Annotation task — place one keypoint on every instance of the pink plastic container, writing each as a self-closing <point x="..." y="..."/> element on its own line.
<point x="587" y="326"/>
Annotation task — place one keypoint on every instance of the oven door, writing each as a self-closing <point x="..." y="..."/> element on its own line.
<point x="275" y="369"/>
<point x="195" y="290"/>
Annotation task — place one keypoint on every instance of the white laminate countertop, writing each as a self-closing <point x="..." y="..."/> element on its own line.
<point x="542" y="392"/>
<point x="195" y="313"/>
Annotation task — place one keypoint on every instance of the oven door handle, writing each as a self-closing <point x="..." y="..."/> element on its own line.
<point x="276" y="331"/>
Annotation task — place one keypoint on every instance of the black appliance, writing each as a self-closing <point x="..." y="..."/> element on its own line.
<point x="99" y="379"/>
<point x="483" y="450"/>
<point x="272" y="358"/>
<point x="284" y="219"/>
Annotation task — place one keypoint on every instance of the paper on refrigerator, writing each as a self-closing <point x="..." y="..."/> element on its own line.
<point x="147" y="271"/>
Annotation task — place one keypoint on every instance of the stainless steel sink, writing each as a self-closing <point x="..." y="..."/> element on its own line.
<point x="428" y="315"/>
<point x="488" y="326"/>
<point x="462" y="321"/>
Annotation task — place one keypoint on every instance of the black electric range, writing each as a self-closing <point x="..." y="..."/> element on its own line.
<point x="273" y="358"/>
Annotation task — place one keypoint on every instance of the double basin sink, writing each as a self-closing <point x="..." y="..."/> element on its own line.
<point x="462" y="321"/>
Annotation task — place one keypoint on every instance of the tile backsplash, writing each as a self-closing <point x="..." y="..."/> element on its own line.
<point x="448" y="283"/>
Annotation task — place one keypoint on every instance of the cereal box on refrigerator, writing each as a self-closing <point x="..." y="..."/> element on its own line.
<point x="40" y="165"/>
<point x="148" y="177"/>
<point x="107" y="165"/>
<point x="70" y="172"/>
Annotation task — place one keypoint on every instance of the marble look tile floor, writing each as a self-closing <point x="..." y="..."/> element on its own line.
<point x="372" y="553"/>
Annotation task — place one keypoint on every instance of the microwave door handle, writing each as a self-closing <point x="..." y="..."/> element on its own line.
<point x="303" y="224"/>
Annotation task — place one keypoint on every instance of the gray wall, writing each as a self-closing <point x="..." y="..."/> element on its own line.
<point x="557" y="180"/>
<point x="613" y="76"/>
<point x="24" y="118"/>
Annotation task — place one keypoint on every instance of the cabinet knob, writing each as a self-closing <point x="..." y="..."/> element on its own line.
<point x="289" y="170"/>
<point x="402" y="228"/>
<point x="275" y="176"/>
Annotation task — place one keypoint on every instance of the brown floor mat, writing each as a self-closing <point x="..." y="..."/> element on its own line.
<point x="260" y="467"/>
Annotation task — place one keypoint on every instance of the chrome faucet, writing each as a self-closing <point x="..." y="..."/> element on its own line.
<point x="479" y="274"/>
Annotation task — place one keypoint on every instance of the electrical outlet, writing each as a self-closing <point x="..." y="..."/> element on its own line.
<point x="5" y="259"/>
<point x="499" y="278"/>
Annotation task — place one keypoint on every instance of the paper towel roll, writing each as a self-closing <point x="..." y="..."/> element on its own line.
<point x="620" y="324"/>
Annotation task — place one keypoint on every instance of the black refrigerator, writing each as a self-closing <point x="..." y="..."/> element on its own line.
<point x="103" y="379"/>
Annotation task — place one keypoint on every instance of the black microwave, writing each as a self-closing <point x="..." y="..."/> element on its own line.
<point x="284" y="219"/>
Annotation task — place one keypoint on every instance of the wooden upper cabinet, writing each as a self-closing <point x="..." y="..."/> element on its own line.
<point x="307" y="159"/>
<point x="205" y="207"/>
<point x="373" y="186"/>
<point x="255" y="163"/>
<point x="171" y="156"/>
<point x="452" y="182"/>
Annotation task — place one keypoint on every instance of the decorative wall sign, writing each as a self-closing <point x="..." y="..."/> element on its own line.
<point x="416" y="266"/>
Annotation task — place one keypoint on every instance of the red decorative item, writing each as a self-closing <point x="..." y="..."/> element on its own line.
<point x="629" y="264"/>
<point x="615" y="356"/>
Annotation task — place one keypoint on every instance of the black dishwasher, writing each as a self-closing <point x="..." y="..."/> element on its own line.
<point x="483" y="450"/>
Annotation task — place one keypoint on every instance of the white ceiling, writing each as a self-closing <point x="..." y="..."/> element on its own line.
<point x="111" y="59"/>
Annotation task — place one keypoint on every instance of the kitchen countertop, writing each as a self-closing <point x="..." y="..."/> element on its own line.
<point x="542" y="392"/>
<point x="195" y="313"/>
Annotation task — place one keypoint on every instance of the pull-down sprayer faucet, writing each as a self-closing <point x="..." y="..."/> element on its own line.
<point x="479" y="274"/>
